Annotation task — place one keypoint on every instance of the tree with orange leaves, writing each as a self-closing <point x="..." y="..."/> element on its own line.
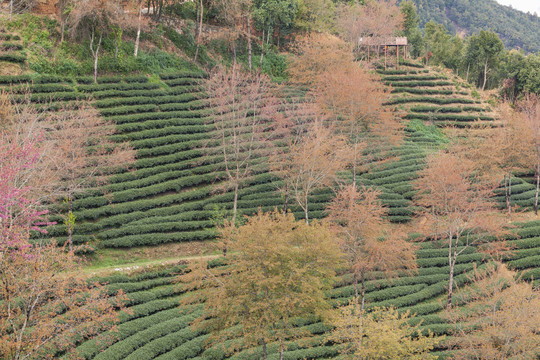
<point x="354" y="99"/>
<point x="76" y="151"/>
<point x="83" y="154"/>
<point x="290" y="129"/>
<point x="45" y="306"/>
<point x="244" y="112"/>
<point x="357" y="214"/>
<point x="499" y="318"/>
<point x="315" y="161"/>
<point x="506" y="149"/>
<point x="456" y="203"/>
<point x="530" y="108"/>
<point x="316" y="54"/>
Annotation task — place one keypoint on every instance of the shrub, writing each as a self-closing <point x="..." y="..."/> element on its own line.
<point x="13" y="58"/>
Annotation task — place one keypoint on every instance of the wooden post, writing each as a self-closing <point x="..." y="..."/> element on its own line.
<point x="385" y="56"/>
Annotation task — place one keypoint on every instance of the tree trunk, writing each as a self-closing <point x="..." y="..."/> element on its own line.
<point x="354" y="165"/>
<point x="286" y="204"/>
<point x="306" y="212"/>
<point x="200" y="30"/>
<point x="468" y="69"/>
<point x="280" y="351"/>
<point x="249" y="42"/>
<point x="507" y="192"/>
<point x="10" y="9"/>
<point x="95" y="52"/>
<point x="235" y="203"/>
<point x="363" y="292"/>
<point x="69" y="225"/>
<point x="262" y="52"/>
<point x="450" y="285"/>
<point x="265" y="351"/>
<point x="451" y="263"/>
<point x="115" y="46"/>
<point x="137" y="39"/>
<point x="355" y="277"/>
<point x="510" y="193"/>
<point x="63" y="30"/>
<point x="485" y="74"/>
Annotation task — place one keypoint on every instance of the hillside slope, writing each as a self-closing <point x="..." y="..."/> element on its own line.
<point x="171" y="194"/>
<point x="516" y="29"/>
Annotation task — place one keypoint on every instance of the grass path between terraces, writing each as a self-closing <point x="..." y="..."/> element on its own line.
<point x="114" y="260"/>
<point x="137" y="266"/>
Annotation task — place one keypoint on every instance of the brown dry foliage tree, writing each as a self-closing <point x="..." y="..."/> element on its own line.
<point x="23" y="122"/>
<point x="297" y="117"/>
<point x="354" y="99"/>
<point x="279" y="269"/>
<point x="94" y="19"/>
<point x="456" y="205"/>
<point x="76" y="150"/>
<point x="357" y="215"/>
<point x="530" y="108"/>
<point x="499" y="318"/>
<point x="381" y="333"/>
<point x="243" y="113"/>
<point x="46" y="307"/>
<point x="506" y="149"/>
<point x="315" y="162"/>
<point x="378" y="19"/>
<point x="83" y="153"/>
<point x="317" y="54"/>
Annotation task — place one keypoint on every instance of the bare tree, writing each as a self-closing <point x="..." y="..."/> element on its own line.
<point x="94" y="19"/>
<point x="84" y="154"/>
<point x="530" y="107"/>
<point x="243" y="113"/>
<point x="315" y="162"/>
<point x="456" y="204"/>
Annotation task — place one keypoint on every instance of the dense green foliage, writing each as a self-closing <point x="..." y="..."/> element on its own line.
<point x="518" y="30"/>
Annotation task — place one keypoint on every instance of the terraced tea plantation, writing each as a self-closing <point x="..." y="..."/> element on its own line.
<point x="434" y="98"/>
<point x="170" y="194"/>
<point x="158" y="329"/>
<point x="11" y="49"/>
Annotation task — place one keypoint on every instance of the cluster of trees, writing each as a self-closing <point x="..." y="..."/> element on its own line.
<point x="46" y="305"/>
<point x="479" y="58"/>
<point x="278" y="269"/>
<point x="518" y="30"/>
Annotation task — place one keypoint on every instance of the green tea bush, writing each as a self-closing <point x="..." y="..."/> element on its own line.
<point x="412" y="90"/>
<point x="156" y="239"/>
<point x="412" y="84"/>
<point x="431" y="100"/>
<point x="13" y="58"/>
